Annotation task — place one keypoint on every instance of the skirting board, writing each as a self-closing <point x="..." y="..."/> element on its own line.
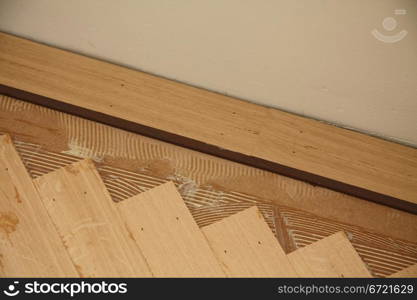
<point x="262" y="137"/>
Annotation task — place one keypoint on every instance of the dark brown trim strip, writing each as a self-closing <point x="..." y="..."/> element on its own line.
<point x="210" y="149"/>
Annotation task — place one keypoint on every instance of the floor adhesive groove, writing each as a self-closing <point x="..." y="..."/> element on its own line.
<point x="212" y="188"/>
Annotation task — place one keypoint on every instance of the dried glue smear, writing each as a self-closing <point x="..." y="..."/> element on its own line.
<point x="76" y="150"/>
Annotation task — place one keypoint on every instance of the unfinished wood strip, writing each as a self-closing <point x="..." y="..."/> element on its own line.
<point x="246" y="246"/>
<point x="333" y="256"/>
<point x="410" y="272"/>
<point x="167" y="234"/>
<point x="29" y="244"/>
<point x="309" y="150"/>
<point x="88" y="222"/>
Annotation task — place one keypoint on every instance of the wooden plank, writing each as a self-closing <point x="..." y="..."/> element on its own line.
<point x="29" y="244"/>
<point x="333" y="256"/>
<point x="246" y="246"/>
<point x="309" y="150"/>
<point x="410" y="272"/>
<point x="89" y="224"/>
<point x="167" y="234"/>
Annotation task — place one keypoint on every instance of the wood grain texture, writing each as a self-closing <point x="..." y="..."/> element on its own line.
<point x="167" y="234"/>
<point x="29" y="243"/>
<point x="246" y="246"/>
<point x="294" y="228"/>
<point x="332" y="256"/>
<point x="267" y="138"/>
<point x="212" y="188"/>
<point x="89" y="224"/>
<point x="48" y="139"/>
<point x="410" y="272"/>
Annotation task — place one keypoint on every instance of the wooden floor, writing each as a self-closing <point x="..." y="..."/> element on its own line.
<point x="298" y="214"/>
<point x="93" y="197"/>
<point x="65" y="224"/>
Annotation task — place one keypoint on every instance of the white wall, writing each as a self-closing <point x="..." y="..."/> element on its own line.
<point x="312" y="57"/>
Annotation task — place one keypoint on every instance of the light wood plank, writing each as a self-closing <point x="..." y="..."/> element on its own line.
<point x="333" y="256"/>
<point x="246" y="246"/>
<point x="410" y="272"/>
<point x="167" y="234"/>
<point x="29" y="244"/>
<point x="89" y="224"/>
<point x="268" y="138"/>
